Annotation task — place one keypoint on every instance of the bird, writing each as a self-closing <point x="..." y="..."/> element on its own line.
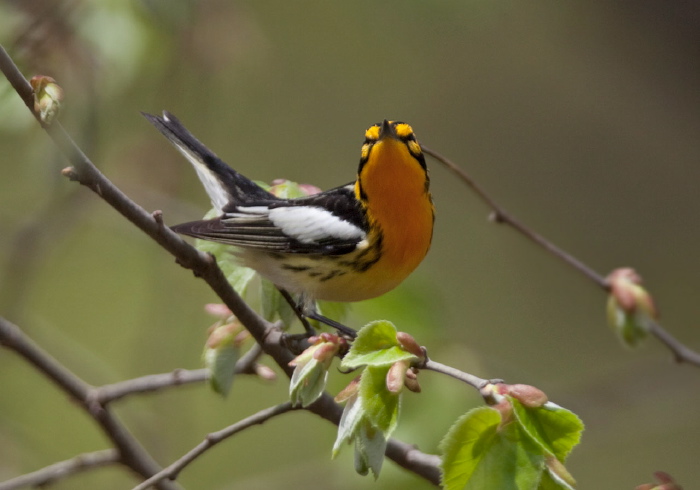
<point x="349" y="243"/>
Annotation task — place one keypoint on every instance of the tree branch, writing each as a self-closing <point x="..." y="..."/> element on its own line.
<point x="470" y="379"/>
<point x="145" y="384"/>
<point x="154" y="382"/>
<point x="681" y="352"/>
<point x="499" y="215"/>
<point x="57" y="471"/>
<point x="131" y="453"/>
<point x="213" y="439"/>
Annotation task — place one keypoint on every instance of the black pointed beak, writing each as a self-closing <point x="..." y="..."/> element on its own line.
<point x="387" y="130"/>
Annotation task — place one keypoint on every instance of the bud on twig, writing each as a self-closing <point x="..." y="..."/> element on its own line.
<point x="666" y="482"/>
<point x="631" y="308"/>
<point x="48" y="96"/>
<point x="411" y="381"/>
<point x="396" y="376"/>
<point x="529" y="396"/>
<point x="265" y="372"/>
<point x="625" y="287"/>
<point x="218" y="309"/>
<point x="409" y="344"/>
<point x="349" y="391"/>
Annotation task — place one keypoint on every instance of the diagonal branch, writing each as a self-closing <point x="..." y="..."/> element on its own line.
<point x="681" y="352"/>
<point x="211" y="440"/>
<point x="500" y="215"/>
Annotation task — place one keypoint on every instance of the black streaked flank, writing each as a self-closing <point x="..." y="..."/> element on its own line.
<point x="296" y="268"/>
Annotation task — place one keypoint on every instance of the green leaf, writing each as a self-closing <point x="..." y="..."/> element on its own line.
<point x="480" y="453"/>
<point x="220" y="363"/>
<point x="353" y="414"/>
<point x="286" y="189"/>
<point x="556" y="429"/>
<point x="238" y="276"/>
<point x="274" y="305"/>
<point x="370" y="445"/>
<point x="553" y="480"/>
<point x="375" y="345"/>
<point x="308" y="382"/>
<point x="380" y="405"/>
<point x="369" y="418"/>
<point x="631" y="327"/>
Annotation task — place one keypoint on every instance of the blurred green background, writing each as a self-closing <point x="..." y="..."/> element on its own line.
<point x="581" y="118"/>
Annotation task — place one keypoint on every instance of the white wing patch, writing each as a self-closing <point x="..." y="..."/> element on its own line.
<point x="310" y="224"/>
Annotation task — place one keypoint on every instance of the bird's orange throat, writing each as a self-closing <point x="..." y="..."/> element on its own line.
<point x="395" y="189"/>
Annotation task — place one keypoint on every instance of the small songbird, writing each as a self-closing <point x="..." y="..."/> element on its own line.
<point x="350" y="243"/>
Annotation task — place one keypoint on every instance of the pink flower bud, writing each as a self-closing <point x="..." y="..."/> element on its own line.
<point x="409" y="344"/>
<point x="396" y="376"/>
<point x="529" y="396"/>
<point x="349" y="391"/>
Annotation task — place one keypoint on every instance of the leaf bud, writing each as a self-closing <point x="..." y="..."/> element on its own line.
<point x="48" y="96"/>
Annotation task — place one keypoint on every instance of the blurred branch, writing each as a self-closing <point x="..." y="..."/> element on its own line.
<point x="155" y="382"/>
<point x="57" y="471"/>
<point x="131" y="453"/>
<point x="680" y="352"/>
<point x="211" y="440"/>
<point x="499" y="215"/>
<point x="267" y="335"/>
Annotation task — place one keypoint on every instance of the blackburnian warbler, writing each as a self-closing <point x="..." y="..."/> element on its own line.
<point x="350" y="243"/>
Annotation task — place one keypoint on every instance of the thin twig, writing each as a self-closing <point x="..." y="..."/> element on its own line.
<point x="470" y="379"/>
<point x="155" y="382"/>
<point x="681" y="352"/>
<point x="211" y="440"/>
<point x="63" y="469"/>
<point x="501" y="216"/>
<point x="132" y="454"/>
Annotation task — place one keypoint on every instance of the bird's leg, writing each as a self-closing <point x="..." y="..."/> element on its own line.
<point x="298" y="311"/>
<point x="343" y="329"/>
<point x="306" y="309"/>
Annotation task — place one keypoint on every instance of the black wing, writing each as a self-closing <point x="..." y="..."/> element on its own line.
<point x="329" y="223"/>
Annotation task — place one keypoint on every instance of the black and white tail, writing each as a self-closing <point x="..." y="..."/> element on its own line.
<point x="223" y="184"/>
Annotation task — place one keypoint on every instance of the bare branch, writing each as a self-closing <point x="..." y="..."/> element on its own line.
<point x="680" y="352"/>
<point x="132" y="454"/>
<point x="499" y="215"/>
<point x="154" y="382"/>
<point x="470" y="379"/>
<point x="213" y="439"/>
<point x="57" y="471"/>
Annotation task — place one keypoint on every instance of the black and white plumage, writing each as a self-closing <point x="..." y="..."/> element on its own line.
<point x="350" y="243"/>
<point x="262" y="225"/>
